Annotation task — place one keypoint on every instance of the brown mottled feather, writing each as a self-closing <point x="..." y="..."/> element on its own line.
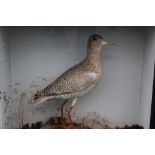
<point x="75" y="81"/>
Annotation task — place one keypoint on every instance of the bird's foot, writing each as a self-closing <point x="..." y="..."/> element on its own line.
<point x="63" y="126"/>
<point x="62" y="116"/>
<point x="72" y="126"/>
<point x="71" y="123"/>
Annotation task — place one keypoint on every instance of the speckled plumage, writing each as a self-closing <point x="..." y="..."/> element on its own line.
<point x="79" y="79"/>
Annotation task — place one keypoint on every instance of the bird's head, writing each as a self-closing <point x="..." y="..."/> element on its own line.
<point x="97" y="41"/>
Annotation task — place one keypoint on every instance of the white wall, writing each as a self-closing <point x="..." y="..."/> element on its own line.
<point x="4" y="75"/>
<point x="41" y="52"/>
<point x="147" y="78"/>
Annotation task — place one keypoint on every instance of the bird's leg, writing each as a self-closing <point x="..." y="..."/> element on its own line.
<point x="62" y="115"/>
<point x="69" y="112"/>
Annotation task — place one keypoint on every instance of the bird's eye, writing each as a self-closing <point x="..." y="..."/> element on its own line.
<point x="94" y="38"/>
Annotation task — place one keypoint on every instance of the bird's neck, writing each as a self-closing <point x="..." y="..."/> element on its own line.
<point x="94" y="55"/>
<point x="94" y="58"/>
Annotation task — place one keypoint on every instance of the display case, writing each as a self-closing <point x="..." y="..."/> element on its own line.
<point x="33" y="57"/>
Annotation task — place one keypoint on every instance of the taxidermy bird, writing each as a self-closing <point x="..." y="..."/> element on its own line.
<point x="76" y="81"/>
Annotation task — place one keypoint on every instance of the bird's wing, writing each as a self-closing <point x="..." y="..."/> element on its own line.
<point x="70" y="83"/>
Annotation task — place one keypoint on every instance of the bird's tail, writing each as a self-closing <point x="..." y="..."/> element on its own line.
<point x="36" y="98"/>
<point x="39" y="98"/>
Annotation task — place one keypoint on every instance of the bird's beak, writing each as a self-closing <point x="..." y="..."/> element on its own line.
<point x="109" y="43"/>
<point x="113" y="44"/>
<point x="104" y="42"/>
